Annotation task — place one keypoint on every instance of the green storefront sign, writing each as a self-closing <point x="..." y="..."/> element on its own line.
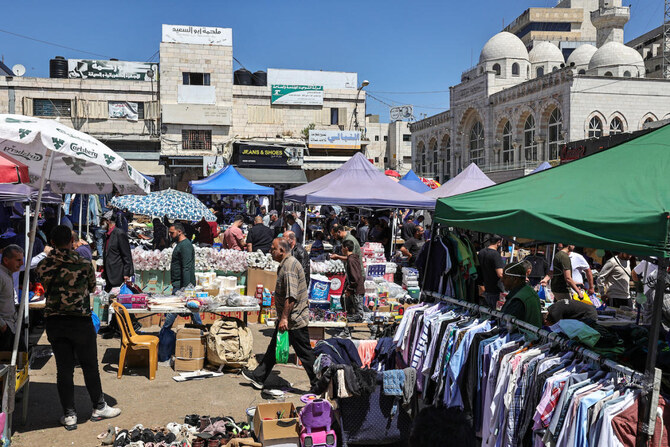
<point x="307" y="95"/>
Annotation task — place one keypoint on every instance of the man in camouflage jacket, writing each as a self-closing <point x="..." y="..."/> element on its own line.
<point x="68" y="281"/>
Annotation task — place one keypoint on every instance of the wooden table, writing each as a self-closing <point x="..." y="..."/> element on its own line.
<point x="184" y="310"/>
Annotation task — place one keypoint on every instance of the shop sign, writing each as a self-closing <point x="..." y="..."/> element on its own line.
<point x="212" y="164"/>
<point x="305" y="95"/>
<point x="123" y="109"/>
<point x="334" y="139"/>
<point x="115" y="70"/>
<point x="249" y="155"/>
<point x="199" y="35"/>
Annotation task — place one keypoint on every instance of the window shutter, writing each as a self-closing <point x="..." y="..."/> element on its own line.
<point x="28" y="106"/>
<point x="342" y="117"/>
<point x="151" y="110"/>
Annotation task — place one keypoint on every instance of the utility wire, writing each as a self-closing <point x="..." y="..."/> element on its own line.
<point x="51" y="43"/>
<point x="410" y="93"/>
<point x="153" y="56"/>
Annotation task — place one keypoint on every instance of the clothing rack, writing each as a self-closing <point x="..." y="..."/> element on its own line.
<point x="550" y="336"/>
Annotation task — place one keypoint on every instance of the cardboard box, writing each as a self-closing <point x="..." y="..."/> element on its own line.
<point x="273" y="431"/>
<point x="257" y="276"/>
<point x="189" y="350"/>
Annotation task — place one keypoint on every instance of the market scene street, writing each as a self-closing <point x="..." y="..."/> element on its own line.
<point x="438" y="224"/>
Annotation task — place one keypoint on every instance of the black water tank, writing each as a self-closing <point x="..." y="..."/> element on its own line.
<point x="260" y="78"/>
<point x="58" y="67"/>
<point x="242" y="77"/>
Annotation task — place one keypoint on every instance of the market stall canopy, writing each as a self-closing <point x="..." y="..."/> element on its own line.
<point x="12" y="171"/>
<point x="81" y="164"/>
<point x="391" y="173"/>
<point x="358" y="183"/>
<point x="228" y="181"/>
<point x="25" y="193"/>
<point x="413" y="182"/>
<point x="176" y="205"/>
<point x="471" y="179"/>
<point x="542" y="167"/>
<point x="625" y="208"/>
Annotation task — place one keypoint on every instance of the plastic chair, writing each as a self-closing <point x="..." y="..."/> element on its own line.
<point x="130" y="339"/>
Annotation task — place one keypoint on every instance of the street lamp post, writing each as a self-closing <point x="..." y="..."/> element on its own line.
<point x="365" y="83"/>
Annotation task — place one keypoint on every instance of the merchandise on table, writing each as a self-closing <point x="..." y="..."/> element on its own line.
<point x="206" y="259"/>
<point x="327" y="267"/>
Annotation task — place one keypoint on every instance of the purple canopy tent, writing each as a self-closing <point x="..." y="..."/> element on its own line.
<point x="358" y="183"/>
<point x="25" y="193"/>
<point x="471" y="179"/>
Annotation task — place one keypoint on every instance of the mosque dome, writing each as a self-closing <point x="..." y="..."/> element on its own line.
<point x="545" y="52"/>
<point x="614" y="54"/>
<point x="503" y="45"/>
<point x="581" y="55"/>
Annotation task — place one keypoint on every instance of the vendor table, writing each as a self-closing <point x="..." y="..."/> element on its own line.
<point x="182" y="310"/>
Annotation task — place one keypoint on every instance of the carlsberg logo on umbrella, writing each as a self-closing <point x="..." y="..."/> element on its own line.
<point x="11" y="150"/>
<point x="74" y="147"/>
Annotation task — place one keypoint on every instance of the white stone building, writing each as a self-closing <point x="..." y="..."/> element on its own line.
<point x="389" y="145"/>
<point x="517" y="108"/>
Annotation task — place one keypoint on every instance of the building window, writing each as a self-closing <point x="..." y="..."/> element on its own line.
<point x="431" y="158"/>
<point x="595" y="127"/>
<point x="376" y="137"/>
<point x="446" y="160"/>
<point x="649" y="120"/>
<point x="496" y="69"/>
<point x="407" y="160"/>
<point x="515" y="69"/>
<point x="477" y="144"/>
<point x="52" y="107"/>
<point x="195" y="78"/>
<point x="554" y="69"/>
<point x="406" y="137"/>
<point x="581" y="72"/>
<point x="420" y="158"/>
<point x="386" y="138"/>
<point x="376" y="159"/>
<point x="386" y="159"/>
<point x="616" y="126"/>
<point x="529" y="144"/>
<point x="196" y="140"/>
<point x="608" y="74"/>
<point x="540" y="71"/>
<point x="626" y="74"/>
<point x="554" y="132"/>
<point x="507" y="149"/>
<point x="334" y="116"/>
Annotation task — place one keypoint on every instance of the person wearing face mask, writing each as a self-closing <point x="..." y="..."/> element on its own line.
<point x="117" y="258"/>
<point x="522" y="301"/>
<point x="182" y="268"/>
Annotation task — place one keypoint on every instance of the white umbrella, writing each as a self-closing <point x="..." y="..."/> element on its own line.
<point x="71" y="161"/>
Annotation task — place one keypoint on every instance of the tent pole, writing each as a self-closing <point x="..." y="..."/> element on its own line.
<point x="304" y="230"/>
<point x="647" y="413"/>
<point x="393" y="230"/>
<point x="27" y="229"/>
<point x="88" y="213"/>
<point x="81" y="206"/>
<point x="46" y="168"/>
<point x="60" y="210"/>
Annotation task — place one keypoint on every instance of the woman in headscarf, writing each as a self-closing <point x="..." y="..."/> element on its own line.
<point x="160" y="241"/>
<point x="522" y="301"/>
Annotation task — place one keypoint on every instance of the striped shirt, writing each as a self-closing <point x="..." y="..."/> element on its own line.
<point x="291" y="284"/>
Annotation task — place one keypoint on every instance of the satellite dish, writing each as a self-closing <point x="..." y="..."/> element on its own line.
<point x="18" y="70"/>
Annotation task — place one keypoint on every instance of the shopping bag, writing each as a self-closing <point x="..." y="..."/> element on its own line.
<point x="96" y="322"/>
<point x="125" y="290"/>
<point x="281" y="351"/>
<point x="541" y="293"/>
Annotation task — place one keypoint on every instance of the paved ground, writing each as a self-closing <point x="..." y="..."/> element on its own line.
<point x="151" y="403"/>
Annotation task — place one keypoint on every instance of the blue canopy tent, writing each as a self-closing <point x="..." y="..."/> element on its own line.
<point x="413" y="182"/>
<point x="228" y="181"/>
<point x="149" y="178"/>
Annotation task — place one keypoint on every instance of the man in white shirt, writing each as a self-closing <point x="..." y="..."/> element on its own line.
<point x="645" y="272"/>
<point x="581" y="268"/>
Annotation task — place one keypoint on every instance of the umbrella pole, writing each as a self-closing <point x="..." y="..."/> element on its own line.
<point x="60" y="207"/>
<point x="393" y="230"/>
<point x="304" y="230"/>
<point x="81" y="206"/>
<point x="27" y="229"/>
<point x="46" y="168"/>
<point x="88" y="213"/>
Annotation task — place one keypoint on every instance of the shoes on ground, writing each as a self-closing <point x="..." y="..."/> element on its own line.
<point x="69" y="422"/>
<point x="106" y="412"/>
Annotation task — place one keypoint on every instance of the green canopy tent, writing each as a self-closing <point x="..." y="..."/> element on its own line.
<point x="617" y="199"/>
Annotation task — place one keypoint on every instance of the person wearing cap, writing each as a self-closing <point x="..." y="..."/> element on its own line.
<point x="522" y="301"/>
<point x="233" y="238"/>
<point x="117" y="259"/>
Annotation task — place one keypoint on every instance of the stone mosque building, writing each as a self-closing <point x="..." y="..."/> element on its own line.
<point x="517" y="108"/>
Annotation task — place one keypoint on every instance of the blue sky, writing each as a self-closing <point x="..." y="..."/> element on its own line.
<point x="399" y="46"/>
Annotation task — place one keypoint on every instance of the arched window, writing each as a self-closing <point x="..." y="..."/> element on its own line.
<point x="431" y="156"/>
<point x="581" y="72"/>
<point x="595" y="127"/>
<point x="529" y="144"/>
<point x="554" y="69"/>
<point x="496" y="69"/>
<point x="656" y="68"/>
<point x="446" y="158"/>
<point x="435" y="155"/>
<point x="420" y="158"/>
<point x="528" y="71"/>
<point x="649" y="120"/>
<point x="540" y="71"/>
<point x="515" y="69"/>
<point x="507" y="149"/>
<point x="616" y="126"/>
<point x="608" y="74"/>
<point x="477" y="144"/>
<point x="554" y="132"/>
<point x="626" y="74"/>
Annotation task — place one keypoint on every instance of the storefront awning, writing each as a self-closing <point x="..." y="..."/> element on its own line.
<point x="274" y="176"/>
<point x="147" y="167"/>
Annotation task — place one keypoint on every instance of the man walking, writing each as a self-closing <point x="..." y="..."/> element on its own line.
<point x="117" y="258"/>
<point x="491" y="265"/>
<point x="293" y="316"/>
<point x="182" y="268"/>
<point x="69" y="280"/>
<point x="12" y="261"/>
<point x="354" y="286"/>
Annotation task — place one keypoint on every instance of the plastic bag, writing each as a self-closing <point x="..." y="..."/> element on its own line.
<point x="542" y="293"/>
<point x="281" y="351"/>
<point x="125" y="290"/>
<point x="96" y="322"/>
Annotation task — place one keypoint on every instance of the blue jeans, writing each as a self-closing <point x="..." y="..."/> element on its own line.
<point x="170" y="318"/>
<point x="99" y="234"/>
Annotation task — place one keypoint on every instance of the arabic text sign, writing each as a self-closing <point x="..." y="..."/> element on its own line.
<point x="117" y="70"/>
<point x="201" y="35"/>
<point x="334" y="139"/>
<point x="308" y="95"/>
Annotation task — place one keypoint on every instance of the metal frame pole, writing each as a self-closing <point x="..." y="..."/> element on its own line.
<point x="81" y="206"/>
<point x="425" y="267"/>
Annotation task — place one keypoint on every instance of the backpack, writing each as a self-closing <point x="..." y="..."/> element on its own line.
<point x="230" y="344"/>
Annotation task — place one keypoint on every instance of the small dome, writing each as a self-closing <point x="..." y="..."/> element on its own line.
<point x="613" y="54"/>
<point x="545" y="52"/>
<point x="582" y="55"/>
<point x="503" y="45"/>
